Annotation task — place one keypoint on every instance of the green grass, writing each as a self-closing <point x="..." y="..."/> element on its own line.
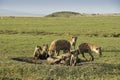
<point x="19" y="36"/>
<point x="82" y="25"/>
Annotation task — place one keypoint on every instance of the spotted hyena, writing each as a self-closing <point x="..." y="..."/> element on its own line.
<point x="89" y="48"/>
<point x="61" y="44"/>
<point x="70" y="58"/>
<point x="37" y="52"/>
<point x="44" y="52"/>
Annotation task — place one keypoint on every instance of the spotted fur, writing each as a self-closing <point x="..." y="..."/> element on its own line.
<point x="53" y="60"/>
<point x="89" y="48"/>
<point x="44" y="52"/>
<point x="37" y="52"/>
<point x="64" y="45"/>
<point x="70" y="58"/>
<point x="73" y="42"/>
<point x="58" y="45"/>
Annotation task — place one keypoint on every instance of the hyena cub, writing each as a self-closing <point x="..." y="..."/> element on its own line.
<point x="89" y="48"/>
<point x="44" y="52"/>
<point x="37" y="52"/>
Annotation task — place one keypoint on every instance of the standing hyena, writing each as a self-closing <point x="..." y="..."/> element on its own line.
<point x="37" y="52"/>
<point x="64" y="45"/>
<point x="89" y="48"/>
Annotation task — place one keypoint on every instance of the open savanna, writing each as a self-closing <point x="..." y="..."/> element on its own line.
<point x="20" y="35"/>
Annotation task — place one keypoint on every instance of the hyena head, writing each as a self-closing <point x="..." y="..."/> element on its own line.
<point x="45" y="47"/>
<point x="44" y="53"/>
<point x="51" y="53"/>
<point x="37" y="51"/>
<point x="75" y="52"/>
<point x="74" y="39"/>
<point x="98" y="50"/>
<point x="38" y="48"/>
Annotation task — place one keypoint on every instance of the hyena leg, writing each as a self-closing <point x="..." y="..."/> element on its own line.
<point x="75" y="61"/>
<point x="71" y="61"/>
<point x="57" y="52"/>
<point x="84" y="56"/>
<point x="66" y="50"/>
<point x="74" y="46"/>
<point x="51" y="53"/>
<point x="92" y="58"/>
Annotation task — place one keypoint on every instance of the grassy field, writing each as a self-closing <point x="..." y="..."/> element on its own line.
<point x="19" y="36"/>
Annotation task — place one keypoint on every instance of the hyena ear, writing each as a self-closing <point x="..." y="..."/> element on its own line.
<point x="76" y="37"/>
<point x="39" y="47"/>
<point x="47" y="45"/>
<point x="78" y="51"/>
<point x="98" y="48"/>
<point x="43" y="44"/>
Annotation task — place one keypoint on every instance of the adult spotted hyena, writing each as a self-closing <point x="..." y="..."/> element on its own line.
<point x="64" y="45"/>
<point x="89" y="48"/>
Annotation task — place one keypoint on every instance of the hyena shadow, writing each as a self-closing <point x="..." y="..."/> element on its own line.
<point x="29" y="60"/>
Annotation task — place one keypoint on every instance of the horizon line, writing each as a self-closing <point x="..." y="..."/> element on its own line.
<point x="92" y="14"/>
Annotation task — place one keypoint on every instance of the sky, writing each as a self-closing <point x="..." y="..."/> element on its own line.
<point x="45" y="7"/>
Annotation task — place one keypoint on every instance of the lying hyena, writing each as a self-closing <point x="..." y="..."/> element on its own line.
<point x="70" y="58"/>
<point x="89" y="48"/>
<point x="53" y="60"/>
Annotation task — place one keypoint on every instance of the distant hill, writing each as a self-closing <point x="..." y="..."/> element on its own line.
<point x="73" y="14"/>
<point x="63" y="14"/>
